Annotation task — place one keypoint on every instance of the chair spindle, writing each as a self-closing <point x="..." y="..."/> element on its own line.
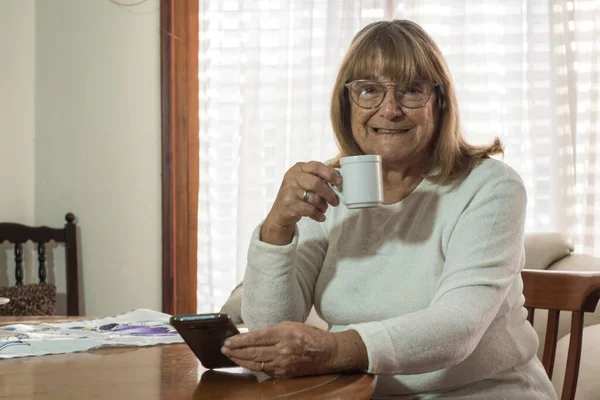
<point x="550" y="342"/>
<point x="19" y="263"/>
<point x="42" y="261"/>
<point x="574" y="356"/>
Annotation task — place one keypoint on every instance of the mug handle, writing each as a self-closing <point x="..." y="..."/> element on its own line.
<point x="337" y="190"/>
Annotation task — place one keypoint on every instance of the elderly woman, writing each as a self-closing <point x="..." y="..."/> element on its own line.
<point x="424" y="291"/>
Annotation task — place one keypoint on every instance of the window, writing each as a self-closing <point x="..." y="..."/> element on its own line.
<point x="527" y="72"/>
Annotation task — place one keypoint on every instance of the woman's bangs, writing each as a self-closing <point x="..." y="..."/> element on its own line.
<point x="386" y="55"/>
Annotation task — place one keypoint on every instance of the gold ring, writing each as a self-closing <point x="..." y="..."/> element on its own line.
<point x="306" y="196"/>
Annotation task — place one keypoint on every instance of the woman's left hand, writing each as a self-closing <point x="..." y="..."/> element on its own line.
<point x="286" y="350"/>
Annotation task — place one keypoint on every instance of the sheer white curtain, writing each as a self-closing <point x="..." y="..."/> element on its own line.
<point x="526" y="71"/>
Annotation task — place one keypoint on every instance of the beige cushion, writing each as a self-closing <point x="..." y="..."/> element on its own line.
<point x="588" y="384"/>
<point x="543" y="249"/>
<point x="577" y="262"/>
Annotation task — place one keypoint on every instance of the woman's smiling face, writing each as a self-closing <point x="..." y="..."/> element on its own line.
<point x="399" y="135"/>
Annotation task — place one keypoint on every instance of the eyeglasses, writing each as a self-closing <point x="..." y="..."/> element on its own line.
<point x="370" y="94"/>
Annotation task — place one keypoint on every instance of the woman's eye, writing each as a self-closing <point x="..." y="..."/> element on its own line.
<point x="414" y="90"/>
<point x="367" y="90"/>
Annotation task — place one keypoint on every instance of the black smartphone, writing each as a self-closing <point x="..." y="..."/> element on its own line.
<point x="205" y="335"/>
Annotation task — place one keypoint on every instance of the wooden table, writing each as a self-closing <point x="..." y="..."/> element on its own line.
<point x="158" y="372"/>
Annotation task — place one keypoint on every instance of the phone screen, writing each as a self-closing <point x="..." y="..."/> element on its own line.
<point x="205" y="335"/>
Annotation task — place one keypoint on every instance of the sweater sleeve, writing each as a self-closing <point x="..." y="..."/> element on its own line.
<point x="279" y="281"/>
<point x="484" y="256"/>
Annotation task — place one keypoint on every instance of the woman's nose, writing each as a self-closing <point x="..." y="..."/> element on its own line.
<point x="391" y="107"/>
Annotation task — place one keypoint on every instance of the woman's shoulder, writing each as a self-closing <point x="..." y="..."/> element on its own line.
<point x="494" y="171"/>
<point x="487" y="176"/>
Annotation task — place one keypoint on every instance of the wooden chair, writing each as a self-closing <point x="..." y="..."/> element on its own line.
<point x="557" y="291"/>
<point x="41" y="235"/>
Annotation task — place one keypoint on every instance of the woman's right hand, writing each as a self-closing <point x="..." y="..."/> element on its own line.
<point x="289" y="206"/>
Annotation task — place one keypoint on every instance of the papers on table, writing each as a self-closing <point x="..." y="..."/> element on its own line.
<point x="135" y="328"/>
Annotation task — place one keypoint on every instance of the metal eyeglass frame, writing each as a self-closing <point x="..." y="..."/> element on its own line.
<point x="387" y="85"/>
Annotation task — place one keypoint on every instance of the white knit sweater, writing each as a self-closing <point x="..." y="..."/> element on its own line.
<point x="432" y="285"/>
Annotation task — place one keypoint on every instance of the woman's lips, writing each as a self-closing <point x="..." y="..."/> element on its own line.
<point x="382" y="131"/>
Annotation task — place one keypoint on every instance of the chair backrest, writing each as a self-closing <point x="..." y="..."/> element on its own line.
<point x="558" y="291"/>
<point x="40" y="235"/>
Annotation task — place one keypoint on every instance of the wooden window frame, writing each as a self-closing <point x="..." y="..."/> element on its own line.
<point x="179" y="28"/>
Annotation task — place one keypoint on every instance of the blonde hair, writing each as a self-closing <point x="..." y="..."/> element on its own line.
<point x="401" y="50"/>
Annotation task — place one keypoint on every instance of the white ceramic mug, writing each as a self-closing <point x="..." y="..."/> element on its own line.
<point x="362" y="184"/>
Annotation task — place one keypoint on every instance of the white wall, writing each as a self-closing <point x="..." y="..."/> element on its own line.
<point x="17" y="128"/>
<point x="97" y="153"/>
<point x="16" y="110"/>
